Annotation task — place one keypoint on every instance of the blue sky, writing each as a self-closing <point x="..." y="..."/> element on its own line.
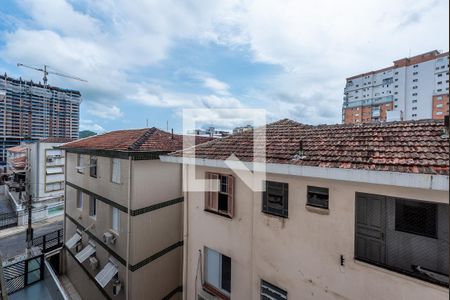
<point x="149" y="59"/>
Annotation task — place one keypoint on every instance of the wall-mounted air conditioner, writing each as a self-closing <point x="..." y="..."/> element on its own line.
<point x="117" y="287"/>
<point x="109" y="238"/>
<point x="93" y="262"/>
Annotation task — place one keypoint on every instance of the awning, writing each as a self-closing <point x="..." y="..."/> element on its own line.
<point x="106" y="274"/>
<point x="73" y="240"/>
<point x="85" y="253"/>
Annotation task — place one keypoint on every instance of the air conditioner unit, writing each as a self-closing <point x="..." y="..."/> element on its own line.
<point x="93" y="261"/>
<point x="79" y="246"/>
<point x="203" y="295"/>
<point x="117" y="287"/>
<point x="109" y="238"/>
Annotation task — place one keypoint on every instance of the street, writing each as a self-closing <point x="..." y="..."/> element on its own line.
<point x="15" y="244"/>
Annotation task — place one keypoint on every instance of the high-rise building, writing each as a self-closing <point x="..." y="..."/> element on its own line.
<point x="413" y="88"/>
<point x="31" y="111"/>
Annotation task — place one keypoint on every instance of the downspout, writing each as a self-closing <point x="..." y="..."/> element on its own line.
<point x="127" y="274"/>
<point x="39" y="169"/>
<point x="185" y="227"/>
<point x="63" y="257"/>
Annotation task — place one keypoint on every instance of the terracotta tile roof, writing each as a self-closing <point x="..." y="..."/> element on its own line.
<point x="19" y="163"/>
<point x="139" y="140"/>
<point x="54" y="139"/>
<point x="17" y="149"/>
<point x="409" y="146"/>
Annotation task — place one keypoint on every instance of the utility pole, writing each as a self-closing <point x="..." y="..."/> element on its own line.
<point x="29" y="203"/>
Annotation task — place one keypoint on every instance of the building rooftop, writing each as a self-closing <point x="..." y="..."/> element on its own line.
<point x="136" y="140"/>
<point x="17" y="149"/>
<point x="60" y="140"/>
<point x="408" y="146"/>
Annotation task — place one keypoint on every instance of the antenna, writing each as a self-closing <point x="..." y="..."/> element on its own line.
<point x="47" y="72"/>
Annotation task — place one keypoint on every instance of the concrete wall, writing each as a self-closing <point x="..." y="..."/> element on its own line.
<point x="152" y="182"/>
<point x="300" y="254"/>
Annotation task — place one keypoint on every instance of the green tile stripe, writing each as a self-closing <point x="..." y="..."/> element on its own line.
<point x="99" y="241"/>
<point x="140" y="211"/>
<point x="134" y="212"/>
<point x="132" y="268"/>
<point x="98" y="197"/>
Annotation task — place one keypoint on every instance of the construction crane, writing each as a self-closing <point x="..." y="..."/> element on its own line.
<point x="47" y="72"/>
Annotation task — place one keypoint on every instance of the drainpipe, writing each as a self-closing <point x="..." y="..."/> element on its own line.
<point x="63" y="257"/>
<point x="185" y="227"/>
<point x="127" y="274"/>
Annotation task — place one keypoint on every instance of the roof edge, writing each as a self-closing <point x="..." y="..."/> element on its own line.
<point x="409" y="180"/>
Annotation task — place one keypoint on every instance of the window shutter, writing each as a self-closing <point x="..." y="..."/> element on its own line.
<point x="215" y="194"/>
<point x="230" y="195"/>
<point x="264" y="198"/>
<point x="208" y="177"/>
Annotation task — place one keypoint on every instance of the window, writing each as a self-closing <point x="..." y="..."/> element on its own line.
<point x="403" y="235"/>
<point x="414" y="87"/>
<point x="79" y="199"/>
<point x="272" y="292"/>
<point x="438" y="113"/>
<point x="317" y="197"/>
<point x="414" y="115"/>
<point x="415" y="66"/>
<point x="416" y="217"/>
<point x="415" y="73"/>
<point x="275" y="199"/>
<point x="115" y="219"/>
<point x="439" y="105"/>
<point x="440" y="75"/>
<point x="79" y="164"/>
<point x="414" y="94"/>
<point x="439" y="98"/>
<point x="415" y="80"/>
<point x="414" y="101"/>
<point x="115" y="170"/>
<point x="220" y="201"/>
<point x="414" y="108"/>
<point x="92" y="206"/>
<point x="217" y="272"/>
<point x="93" y="166"/>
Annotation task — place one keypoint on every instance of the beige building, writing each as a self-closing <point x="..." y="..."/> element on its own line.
<point x="123" y="216"/>
<point x="348" y="212"/>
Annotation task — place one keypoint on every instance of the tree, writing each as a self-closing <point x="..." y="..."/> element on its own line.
<point x="86" y="133"/>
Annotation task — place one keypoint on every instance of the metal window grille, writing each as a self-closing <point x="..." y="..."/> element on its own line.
<point x="275" y="199"/>
<point x="403" y="235"/>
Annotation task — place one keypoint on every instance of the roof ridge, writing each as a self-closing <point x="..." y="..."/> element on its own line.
<point x="142" y="139"/>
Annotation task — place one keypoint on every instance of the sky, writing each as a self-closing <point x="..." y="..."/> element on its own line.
<point x="146" y="60"/>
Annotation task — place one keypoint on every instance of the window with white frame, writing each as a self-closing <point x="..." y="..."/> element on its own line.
<point x="217" y="272"/>
<point x="79" y="199"/>
<point x="115" y="219"/>
<point x="115" y="170"/>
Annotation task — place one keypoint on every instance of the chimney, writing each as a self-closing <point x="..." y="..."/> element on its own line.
<point x="172" y="133"/>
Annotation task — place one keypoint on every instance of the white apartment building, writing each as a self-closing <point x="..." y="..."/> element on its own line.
<point x="413" y="88"/>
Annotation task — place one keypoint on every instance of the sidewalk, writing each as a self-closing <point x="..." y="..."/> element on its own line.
<point x="18" y="229"/>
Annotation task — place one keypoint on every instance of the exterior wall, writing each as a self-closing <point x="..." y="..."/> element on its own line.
<point x="153" y="245"/>
<point x="155" y="182"/>
<point x="300" y="254"/>
<point x="364" y="114"/>
<point x="440" y="106"/>
<point x="411" y="84"/>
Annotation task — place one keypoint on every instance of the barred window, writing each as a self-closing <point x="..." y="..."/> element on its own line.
<point x="317" y="197"/>
<point x="275" y="199"/>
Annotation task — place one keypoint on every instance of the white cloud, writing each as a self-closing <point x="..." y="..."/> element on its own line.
<point x="104" y="111"/>
<point x="317" y="44"/>
<point x="91" y="125"/>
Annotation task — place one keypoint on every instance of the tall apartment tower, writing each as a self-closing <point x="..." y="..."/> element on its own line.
<point x="413" y="88"/>
<point x="32" y="111"/>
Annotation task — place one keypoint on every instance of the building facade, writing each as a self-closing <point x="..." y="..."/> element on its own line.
<point x="327" y="225"/>
<point x="413" y="88"/>
<point x="33" y="111"/>
<point x="123" y="216"/>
